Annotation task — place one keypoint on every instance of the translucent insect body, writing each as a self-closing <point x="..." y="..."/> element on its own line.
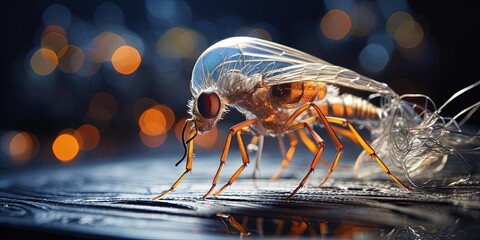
<point x="283" y="91"/>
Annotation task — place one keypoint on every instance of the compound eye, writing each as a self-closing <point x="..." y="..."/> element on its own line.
<point x="208" y="104"/>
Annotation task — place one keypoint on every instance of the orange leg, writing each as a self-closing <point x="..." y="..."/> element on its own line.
<point x="188" y="168"/>
<point x="311" y="146"/>
<point x="223" y="158"/>
<point x="318" y="139"/>
<point x="365" y="146"/>
<point x="315" y="160"/>
<point x="240" y="227"/>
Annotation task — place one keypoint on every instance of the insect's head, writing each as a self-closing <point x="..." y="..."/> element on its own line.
<point x="206" y="109"/>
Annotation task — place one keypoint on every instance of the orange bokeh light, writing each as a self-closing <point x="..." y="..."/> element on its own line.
<point x="167" y="113"/>
<point x="152" y="122"/>
<point x="336" y="24"/>
<point x="65" y="147"/>
<point x="44" y="61"/>
<point x="23" y="147"/>
<point x="126" y="60"/>
<point x="54" y="41"/>
<point x="87" y="136"/>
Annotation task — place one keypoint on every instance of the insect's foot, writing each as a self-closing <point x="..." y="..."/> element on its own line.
<point x="209" y="191"/>
<point x="221" y="189"/>
<point x="162" y="195"/>
<point x="293" y="193"/>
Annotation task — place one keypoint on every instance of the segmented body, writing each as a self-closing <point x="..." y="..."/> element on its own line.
<point x="281" y="90"/>
<point x="268" y="82"/>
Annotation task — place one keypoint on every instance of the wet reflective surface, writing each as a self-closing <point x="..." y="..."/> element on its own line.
<point x="112" y="199"/>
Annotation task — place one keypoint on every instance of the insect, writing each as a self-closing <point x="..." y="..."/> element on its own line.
<point x="283" y="91"/>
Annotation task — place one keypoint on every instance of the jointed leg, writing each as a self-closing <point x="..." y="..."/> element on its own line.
<point x="188" y="168"/>
<point x="315" y="160"/>
<point x="321" y="143"/>
<point x="245" y="161"/>
<point x="365" y="146"/>
<point x="223" y="158"/>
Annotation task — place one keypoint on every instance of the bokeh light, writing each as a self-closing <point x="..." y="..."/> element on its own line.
<point x="374" y="58"/>
<point x="71" y="60"/>
<point x="22" y="147"/>
<point x="363" y="19"/>
<point x="409" y="34"/>
<point x="152" y="122"/>
<point x="44" y="61"/>
<point x="406" y="32"/>
<point x="88" y="137"/>
<point x="106" y="43"/>
<point x="103" y="106"/>
<point x="55" y="41"/>
<point x="336" y="24"/>
<point x="126" y="60"/>
<point x="169" y="12"/>
<point x="108" y="13"/>
<point x="57" y="14"/>
<point x="181" y="42"/>
<point x="65" y="147"/>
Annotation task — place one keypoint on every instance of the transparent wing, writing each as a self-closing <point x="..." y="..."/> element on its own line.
<point x="327" y="73"/>
<point x="291" y="65"/>
<point x="276" y="64"/>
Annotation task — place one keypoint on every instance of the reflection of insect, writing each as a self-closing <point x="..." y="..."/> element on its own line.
<point x="282" y="91"/>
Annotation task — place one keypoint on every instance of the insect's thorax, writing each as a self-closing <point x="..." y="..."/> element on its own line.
<point x="273" y="105"/>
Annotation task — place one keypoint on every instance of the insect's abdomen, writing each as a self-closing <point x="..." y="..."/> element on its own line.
<point x="350" y="107"/>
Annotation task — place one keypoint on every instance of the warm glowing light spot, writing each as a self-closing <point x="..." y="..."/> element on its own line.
<point x="178" y="42"/>
<point x="72" y="59"/>
<point x="152" y="141"/>
<point x="141" y="105"/>
<point x="54" y="41"/>
<point x="204" y="141"/>
<point x="106" y="43"/>
<point x="53" y="29"/>
<point x="87" y="136"/>
<point x="168" y="114"/>
<point x="23" y="147"/>
<point x="103" y="106"/>
<point x="409" y="34"/>
<point x="65" y="147"/>
<point x="395" y="20"/>
<point x="44" y="61"/>
<point x="126" y="59"/>
<point x="336" y="24"/>
<point x="152" y="122"/>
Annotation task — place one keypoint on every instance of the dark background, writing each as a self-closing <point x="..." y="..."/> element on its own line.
<point x="449" y="64"/>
